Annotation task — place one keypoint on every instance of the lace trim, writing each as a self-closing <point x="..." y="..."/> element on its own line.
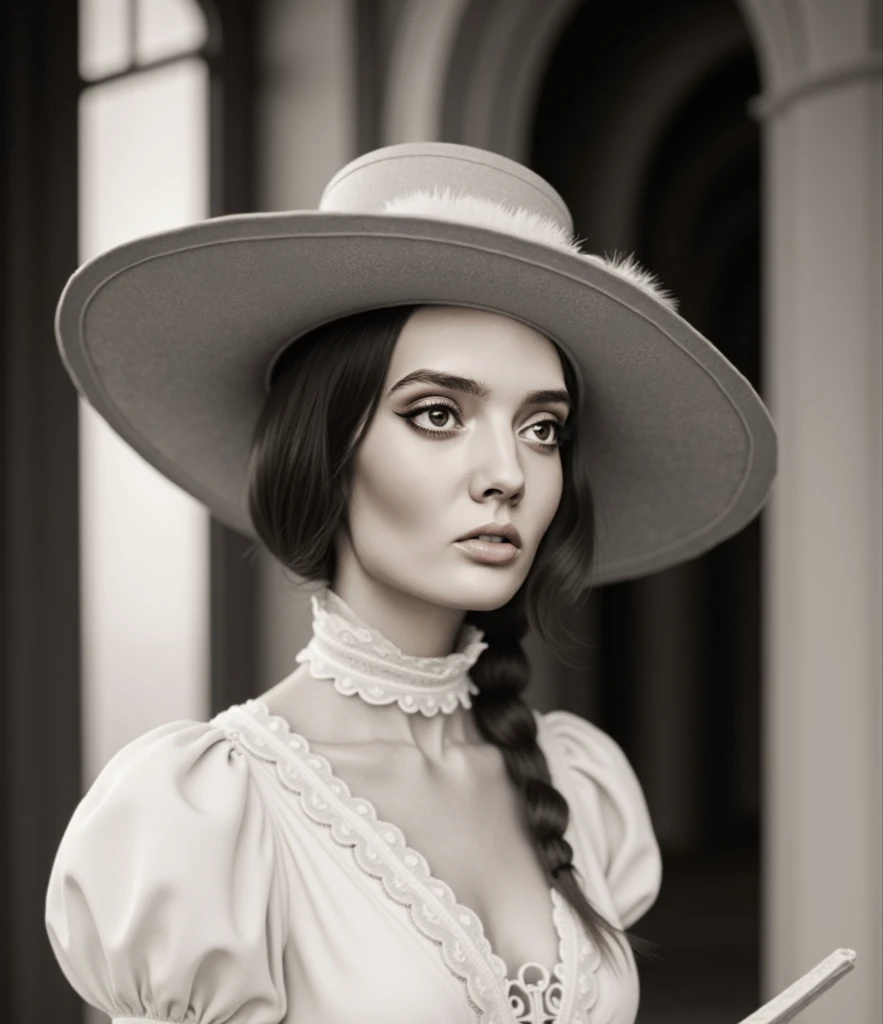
<point x="403" y="877"/>
<point x="360" y="660"/>
<point x="588" y="961"/>
<point x="374" y="692"/>
<point x="380" y="850"/>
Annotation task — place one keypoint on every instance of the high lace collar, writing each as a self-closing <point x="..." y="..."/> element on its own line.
<point x="361" y="661"/>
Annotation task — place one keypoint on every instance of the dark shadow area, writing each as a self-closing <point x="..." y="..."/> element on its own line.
<point x="642" y="126"/>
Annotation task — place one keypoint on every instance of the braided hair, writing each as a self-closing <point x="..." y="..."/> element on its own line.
<point x="325" y="391"/>
<point x="506" y="720"/>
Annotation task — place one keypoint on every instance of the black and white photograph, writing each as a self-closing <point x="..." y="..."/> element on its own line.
<point x="442" y="505"/>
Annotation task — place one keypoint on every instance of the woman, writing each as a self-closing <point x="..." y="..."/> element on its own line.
<point x="390" y="834"/>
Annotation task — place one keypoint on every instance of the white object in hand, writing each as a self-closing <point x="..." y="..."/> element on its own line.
<point x="787" y="1004"/>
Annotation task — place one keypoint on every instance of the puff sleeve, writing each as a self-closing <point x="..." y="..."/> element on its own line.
<point x="163" y="900"/>
<point x="612" y="806"/>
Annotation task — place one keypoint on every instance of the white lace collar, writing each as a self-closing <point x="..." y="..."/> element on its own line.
<point x="361" y="661"/>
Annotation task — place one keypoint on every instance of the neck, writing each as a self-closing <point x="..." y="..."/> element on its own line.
<point x="369" y="681"/>
<point x="417" y="627"/>
<point x="334" y="719"/>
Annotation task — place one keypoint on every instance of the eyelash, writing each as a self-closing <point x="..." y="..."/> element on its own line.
<point x="563" y="433"/>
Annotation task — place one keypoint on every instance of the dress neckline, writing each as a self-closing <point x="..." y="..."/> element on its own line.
<point x="570" y="986"/>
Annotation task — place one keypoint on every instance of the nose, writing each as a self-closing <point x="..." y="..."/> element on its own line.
<point x="498" y="461"/>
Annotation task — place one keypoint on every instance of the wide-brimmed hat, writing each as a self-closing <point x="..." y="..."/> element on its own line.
<point x="172" y="338"/>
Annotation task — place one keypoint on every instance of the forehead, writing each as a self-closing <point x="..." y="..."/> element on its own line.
<point x="455" y="338"/>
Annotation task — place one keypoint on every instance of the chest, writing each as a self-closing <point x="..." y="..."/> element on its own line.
<point x="468" y="822"/>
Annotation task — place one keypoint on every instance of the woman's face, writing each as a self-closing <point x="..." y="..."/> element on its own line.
<point x="421" y="482"/>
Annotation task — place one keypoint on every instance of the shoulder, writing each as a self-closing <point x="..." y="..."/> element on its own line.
<point x="591" y="753"/>
<point x="170" y="848"/>
<point x="609" y="802"/>
<point x="175" y="774"/>
<point x="579" y="738"/>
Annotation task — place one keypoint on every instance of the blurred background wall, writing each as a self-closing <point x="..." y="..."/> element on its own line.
<point x="735" y="148"/>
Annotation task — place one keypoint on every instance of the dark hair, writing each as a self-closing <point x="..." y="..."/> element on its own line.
<point x="325" y="390"/>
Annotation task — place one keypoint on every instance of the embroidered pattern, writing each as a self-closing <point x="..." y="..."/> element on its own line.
<point x="360" y="660"/>
<point x="380" y="850"/>
<point x="537" y="1002"/>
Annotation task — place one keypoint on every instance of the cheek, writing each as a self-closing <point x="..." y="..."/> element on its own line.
<point x="402" y="489"/>
<point x="397" y="489"/>
<point x="549" y="496"/>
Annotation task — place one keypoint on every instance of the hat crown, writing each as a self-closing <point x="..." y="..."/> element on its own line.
<point x="368" y="183"/>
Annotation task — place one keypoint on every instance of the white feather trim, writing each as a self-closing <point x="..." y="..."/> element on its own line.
<point x="445" y="204"/>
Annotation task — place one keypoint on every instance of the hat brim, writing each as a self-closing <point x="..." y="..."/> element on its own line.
<point x="169" y="338"/>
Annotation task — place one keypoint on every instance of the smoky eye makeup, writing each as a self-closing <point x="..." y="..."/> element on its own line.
<point x="448" y="410"/>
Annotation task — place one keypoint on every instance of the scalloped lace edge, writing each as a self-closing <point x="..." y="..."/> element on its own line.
<point x="375" y="692"/>
<point x="405" y="877"/>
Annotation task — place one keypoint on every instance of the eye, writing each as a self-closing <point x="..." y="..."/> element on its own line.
<point x="562" y="432"/>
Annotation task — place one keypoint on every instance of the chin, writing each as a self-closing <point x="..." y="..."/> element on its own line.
<point x="489" y="605"/>
<point x="489" y="593"/>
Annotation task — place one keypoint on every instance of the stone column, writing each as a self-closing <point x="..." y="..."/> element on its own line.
<point x="821" y="117"/>
<point x="307" y="132"/>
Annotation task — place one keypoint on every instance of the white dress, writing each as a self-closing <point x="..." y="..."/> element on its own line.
<point x="220" y="873"/>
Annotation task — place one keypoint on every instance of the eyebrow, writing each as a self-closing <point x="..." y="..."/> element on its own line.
<point x="470" y="386"/>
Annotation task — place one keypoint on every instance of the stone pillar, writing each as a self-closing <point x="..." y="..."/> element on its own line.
<point x="307" y="132"/>
<point x="821" y="118"/>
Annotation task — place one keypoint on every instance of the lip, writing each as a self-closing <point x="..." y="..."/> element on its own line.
<point x="506" y="530"/>
<point x="487" y="551"/>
